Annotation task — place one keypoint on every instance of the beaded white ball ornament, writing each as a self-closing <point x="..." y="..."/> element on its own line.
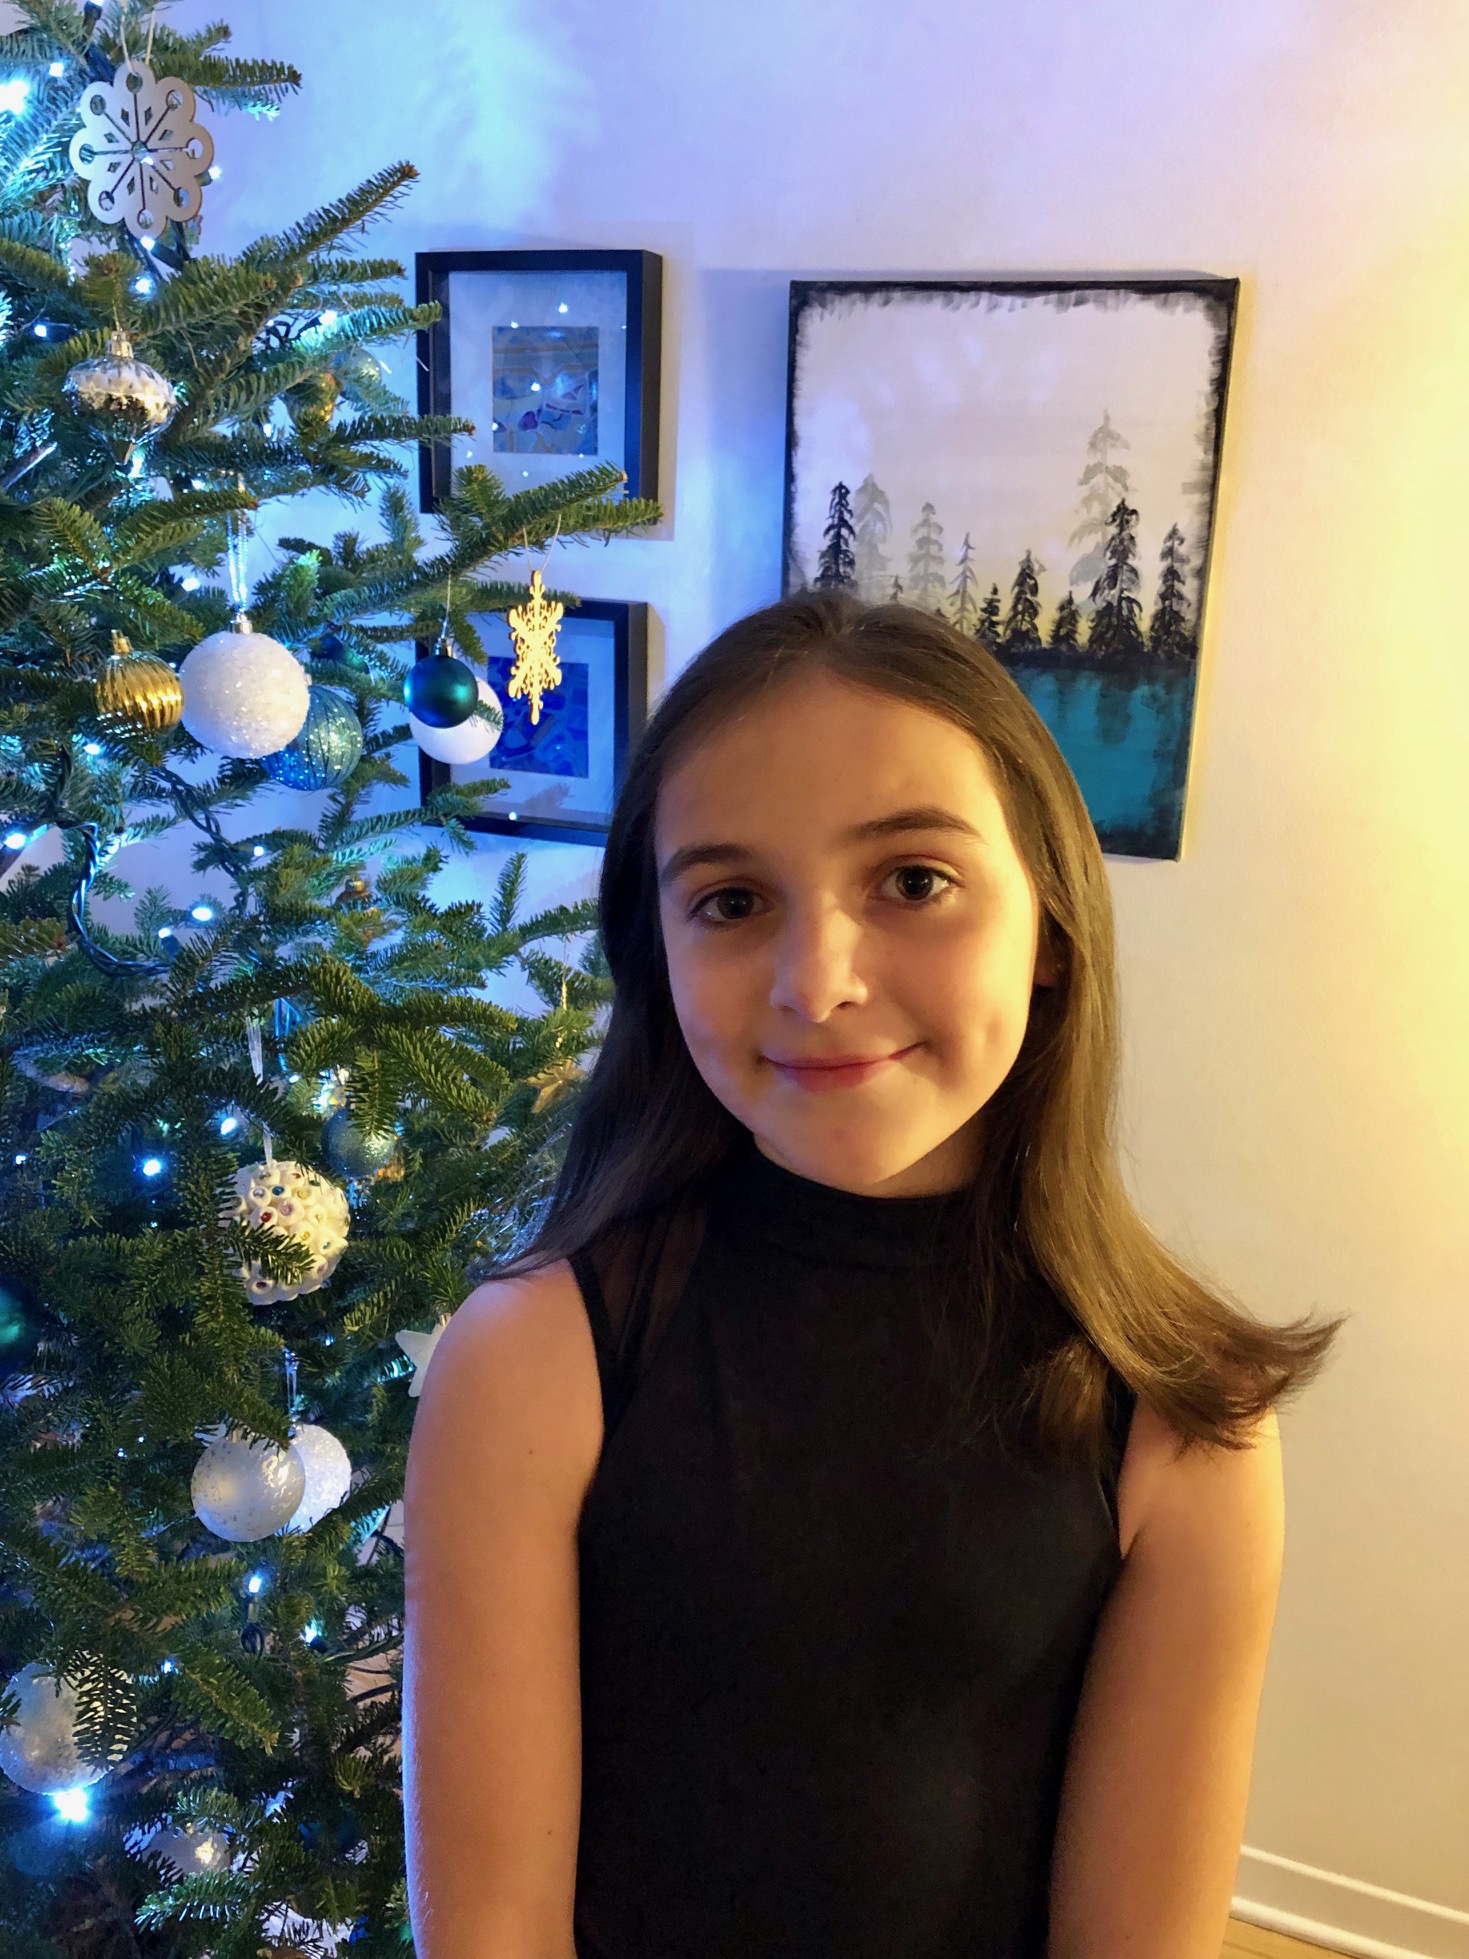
<point x="304" y="1205"/>
<point x="328" y="1470"/>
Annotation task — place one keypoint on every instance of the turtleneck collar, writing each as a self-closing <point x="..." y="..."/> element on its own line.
<point x="835" y="1227"/>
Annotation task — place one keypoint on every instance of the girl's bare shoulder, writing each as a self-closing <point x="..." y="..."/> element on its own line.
<point x="515" y="1375"/>
<point x="1167" y="1488"/>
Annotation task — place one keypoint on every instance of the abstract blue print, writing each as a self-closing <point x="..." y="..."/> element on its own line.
<point x="559" y="743"/>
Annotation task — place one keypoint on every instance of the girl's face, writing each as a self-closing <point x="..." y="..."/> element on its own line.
<point x="851" y="934"/>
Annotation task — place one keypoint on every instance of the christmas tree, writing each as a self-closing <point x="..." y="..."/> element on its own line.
<point x="248" y="1141"/>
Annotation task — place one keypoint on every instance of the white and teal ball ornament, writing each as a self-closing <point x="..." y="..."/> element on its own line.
<point x="328" y="1470"/>
<point x="471" y="740"/>
<point x="327" y="749"/>
<point x="38" y="1750"/>
<point x="355" y="1151"/>
<point x="245" y="694"/>
<point x="245" y="1487"/>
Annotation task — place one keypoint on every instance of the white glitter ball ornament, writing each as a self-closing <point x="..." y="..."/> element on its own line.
<point x="245" y="1487"/>
<point x="328" y="1470"/>
<point x="471" y="741"/>
<point x="39" y="1748"/>
<point x="245" y="694"/>
<point x="304" y="1205"/>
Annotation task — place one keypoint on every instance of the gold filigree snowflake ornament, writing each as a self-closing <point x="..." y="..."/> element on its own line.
<point x="144" y="157"/>
<point x="533" y="627"/>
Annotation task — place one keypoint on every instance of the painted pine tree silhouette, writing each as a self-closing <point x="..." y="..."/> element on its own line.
<point x="1116" y="628"/>
<point x="1104" y="483"/>
<point x="1170" y="636"/>
<point x="964" y="593"/>
<point x="926" y="562"/>
<point x="988" y="631"/>
<point x="1066" y="626"/>
<point x="1022" y="623"/>
<point x="895" y="596"/>
<point x="836" y="569"/>
<point x="872" y="517"/>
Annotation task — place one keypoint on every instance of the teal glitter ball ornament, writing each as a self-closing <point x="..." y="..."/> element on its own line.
<point x="21" y="1328"/>
<point x="441" y="689"/>
<point x="355" y="1152"/>
<point x="327" y="749"/>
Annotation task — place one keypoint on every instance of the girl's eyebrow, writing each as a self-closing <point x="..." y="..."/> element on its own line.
<point x="902" y="822"/>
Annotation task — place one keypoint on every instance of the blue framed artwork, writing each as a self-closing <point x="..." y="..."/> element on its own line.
<point x="561" y="774"/>
<point x="554" y="357"/>
<point x="1038" y="461"/>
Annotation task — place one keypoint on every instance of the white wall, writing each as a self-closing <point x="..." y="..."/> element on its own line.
<point x="1297" y="987"/>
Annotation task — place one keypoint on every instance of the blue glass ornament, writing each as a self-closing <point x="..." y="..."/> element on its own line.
<point x="327" y="749"/>
<point x="441" y="689"/>
<point x="21" y="1327"/>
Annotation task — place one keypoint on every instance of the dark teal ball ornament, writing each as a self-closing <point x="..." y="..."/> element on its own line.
<point x="327" y="749"/>
<point x="21" y="1327"/>
<point x="355" y="1152"/>
<point x="441" y="689"/>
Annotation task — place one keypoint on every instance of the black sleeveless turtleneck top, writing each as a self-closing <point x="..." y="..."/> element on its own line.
<point x="828" y="1671"/>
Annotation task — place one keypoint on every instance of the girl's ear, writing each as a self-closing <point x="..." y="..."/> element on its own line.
<point x="1047" y="964"/>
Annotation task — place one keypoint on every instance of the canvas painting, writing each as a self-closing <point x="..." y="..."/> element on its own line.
<point x="1038" y="462"/>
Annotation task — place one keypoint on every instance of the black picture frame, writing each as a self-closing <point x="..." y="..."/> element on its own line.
<point x="628" y="619"/>
<point x="433" y="272"/>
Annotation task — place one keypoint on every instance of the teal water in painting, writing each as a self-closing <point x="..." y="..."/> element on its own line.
<point x="1125" y="736"/>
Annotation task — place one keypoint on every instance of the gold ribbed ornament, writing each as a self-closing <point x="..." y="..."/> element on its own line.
<point x="137" y="692"/>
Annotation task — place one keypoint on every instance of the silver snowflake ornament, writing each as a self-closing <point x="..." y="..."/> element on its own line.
<point x="144" y="158"/>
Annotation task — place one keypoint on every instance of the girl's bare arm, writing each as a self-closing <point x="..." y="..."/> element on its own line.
<point x="1158" y="1775"/>
<point x="505" y="1442"/>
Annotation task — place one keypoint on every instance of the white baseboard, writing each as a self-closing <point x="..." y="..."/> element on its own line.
<point x="1343" y="1913"/>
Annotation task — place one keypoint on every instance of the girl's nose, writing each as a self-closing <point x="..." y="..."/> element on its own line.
<point x="816" y="964"/>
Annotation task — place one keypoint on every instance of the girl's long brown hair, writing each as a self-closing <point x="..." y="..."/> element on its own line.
<point x="1066" y="1282"/>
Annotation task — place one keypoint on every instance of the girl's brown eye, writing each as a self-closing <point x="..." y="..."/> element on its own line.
<point x="916" y="882"/>
<point x="727" y="907"/>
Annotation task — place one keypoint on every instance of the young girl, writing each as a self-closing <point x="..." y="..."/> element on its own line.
<point x="848" y="1534"/>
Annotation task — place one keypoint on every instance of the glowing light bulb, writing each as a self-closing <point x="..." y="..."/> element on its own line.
<point x="535" y="387"/>
<point x="168" y="1666"/>
<point x="214" y="173"/>
<point x="144" y="285"/>
<point x="40" y="329"/>
<point x="152" y="1166"/>
<point x="330" y="316"/>
<point x="203" y="913"/>
<point x="165" y="931"/>
<point x="562" y="307"/>
<point x="258" y="851"/>
<point x="255" y="1583"/>
<point x="72" y="1805"/>
<point x="191" y="584"/>
<point x="311" y="1632"/>
<point x="15" y="94"/>
<point x="228" y="1125"/>
<point x="16" y="840"/>
<point x="56" y="68"/>
<point x="91" y="748"/>
<point x="146" y="242"/>
<point x="20" y="1156"/>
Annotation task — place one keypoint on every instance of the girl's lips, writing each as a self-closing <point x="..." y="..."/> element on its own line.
<point x="837" y="1073"/>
